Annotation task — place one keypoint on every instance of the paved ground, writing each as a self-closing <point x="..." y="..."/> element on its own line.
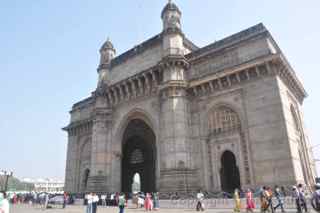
<point x="81" y="209"/>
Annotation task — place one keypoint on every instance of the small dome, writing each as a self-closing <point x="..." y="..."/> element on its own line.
<point x="107" y="45"/>
<point x="170" y="7"/>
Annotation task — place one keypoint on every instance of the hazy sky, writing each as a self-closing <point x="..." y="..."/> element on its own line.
<point x="49" y="55"/>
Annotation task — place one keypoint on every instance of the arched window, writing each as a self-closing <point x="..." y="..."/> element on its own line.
<point x="223" y="119"/>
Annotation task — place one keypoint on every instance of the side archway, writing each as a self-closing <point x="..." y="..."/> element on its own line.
<point x="229" y="172"/>
<point x="225" y="133"/>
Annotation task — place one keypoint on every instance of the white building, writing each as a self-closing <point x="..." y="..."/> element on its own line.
<point x="46" y="184"/>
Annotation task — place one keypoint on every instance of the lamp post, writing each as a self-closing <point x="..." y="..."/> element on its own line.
<point x="6" y="176"/>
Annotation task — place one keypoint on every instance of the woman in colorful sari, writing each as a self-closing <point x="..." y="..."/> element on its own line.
<point x="265" y="199"/>
<point x="236" y="197"/>
<point x="250" y="201"/>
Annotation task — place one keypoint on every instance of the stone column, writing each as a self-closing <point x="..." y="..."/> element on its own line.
<point x="99" y="178"/>
<point x="71" y="163"/>
<point x="176" y="172"/>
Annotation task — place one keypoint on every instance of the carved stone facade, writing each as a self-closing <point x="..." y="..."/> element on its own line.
<point x="186" y="118"/>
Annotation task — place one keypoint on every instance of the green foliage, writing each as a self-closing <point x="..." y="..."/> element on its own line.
<point x="14" y="184"/>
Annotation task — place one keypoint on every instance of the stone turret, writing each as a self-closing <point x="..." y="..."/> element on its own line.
<point x="171" y="16"/>
<point x="172" y="33"/>
<point x="107" y="53"/>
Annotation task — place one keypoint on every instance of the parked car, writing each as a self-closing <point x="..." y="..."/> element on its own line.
<point x="56" y="200"/>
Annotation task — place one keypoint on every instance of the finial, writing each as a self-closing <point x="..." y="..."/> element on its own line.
<point x="170" y="1"/>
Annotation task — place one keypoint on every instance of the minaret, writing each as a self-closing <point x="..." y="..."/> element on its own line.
<point x="107" y="53"/>
<point x="99" y="178"/>
<point x="176" y="172"/>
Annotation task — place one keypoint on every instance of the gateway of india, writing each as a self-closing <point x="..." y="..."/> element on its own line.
<point x="224" y="116"/>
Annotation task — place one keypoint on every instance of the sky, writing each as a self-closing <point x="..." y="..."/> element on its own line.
<point x="49" y="55"/>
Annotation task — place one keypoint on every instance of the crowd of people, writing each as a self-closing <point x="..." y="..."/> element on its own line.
<point x="273" y="199"/>
<point x="270" y="200"/>
<point x="150" y="201"/>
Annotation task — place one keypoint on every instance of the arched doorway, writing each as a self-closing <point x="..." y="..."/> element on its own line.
<point x="229" y="172"/>
<point x="139" y="156"/>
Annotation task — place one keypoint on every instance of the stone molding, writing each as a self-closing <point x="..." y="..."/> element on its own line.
<point x="79" y="127"/>
<point x="286" y="73"/>
<point x="226" y="80"/>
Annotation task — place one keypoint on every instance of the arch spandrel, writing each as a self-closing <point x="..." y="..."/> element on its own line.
<point x="135" y="113"/>
<point x="223" y="119"/>
<point x="236" y="107"/>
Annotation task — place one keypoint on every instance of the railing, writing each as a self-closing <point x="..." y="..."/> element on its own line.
<point x="173" y="51"/>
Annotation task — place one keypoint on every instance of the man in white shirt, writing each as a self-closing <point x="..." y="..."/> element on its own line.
<point x="104" y="200"/>
<point x="89" y="198"/>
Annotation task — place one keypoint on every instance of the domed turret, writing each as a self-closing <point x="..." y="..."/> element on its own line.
<point x="107" y="52"/>
<point x="171" y="16"/>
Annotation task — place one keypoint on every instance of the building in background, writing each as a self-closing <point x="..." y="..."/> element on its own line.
<point x="46" y="185"/>
<point x="224" y="116"/>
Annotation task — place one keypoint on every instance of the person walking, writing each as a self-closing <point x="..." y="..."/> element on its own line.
<point x="250" y="201"/>
<point x="121" y="203"/>
<point x="236" y="197"/>
<point x="264" y="199"/>
<point x="65" y="198"/>
<point x="279" y="197"/>
<point x="200" y="205"/>
<point x="4" y="203"/>
<point x="148" y="202"/>
<point x="269" y="198"/>
<point x="315" y="200"/>
<point x="299" y="196"/>
<point x="95" y="200"/>
<point x="155" y="201"/>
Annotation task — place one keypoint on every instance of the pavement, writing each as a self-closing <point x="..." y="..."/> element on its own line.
<point x="81" y="209"/>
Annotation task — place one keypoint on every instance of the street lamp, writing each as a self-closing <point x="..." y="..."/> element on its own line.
<point x="6" y="176"/>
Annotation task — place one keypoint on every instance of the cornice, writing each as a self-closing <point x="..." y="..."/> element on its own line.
<point x="76" y="127"/>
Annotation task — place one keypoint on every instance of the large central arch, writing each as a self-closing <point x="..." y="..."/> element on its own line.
<point x="139" y="156"/>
